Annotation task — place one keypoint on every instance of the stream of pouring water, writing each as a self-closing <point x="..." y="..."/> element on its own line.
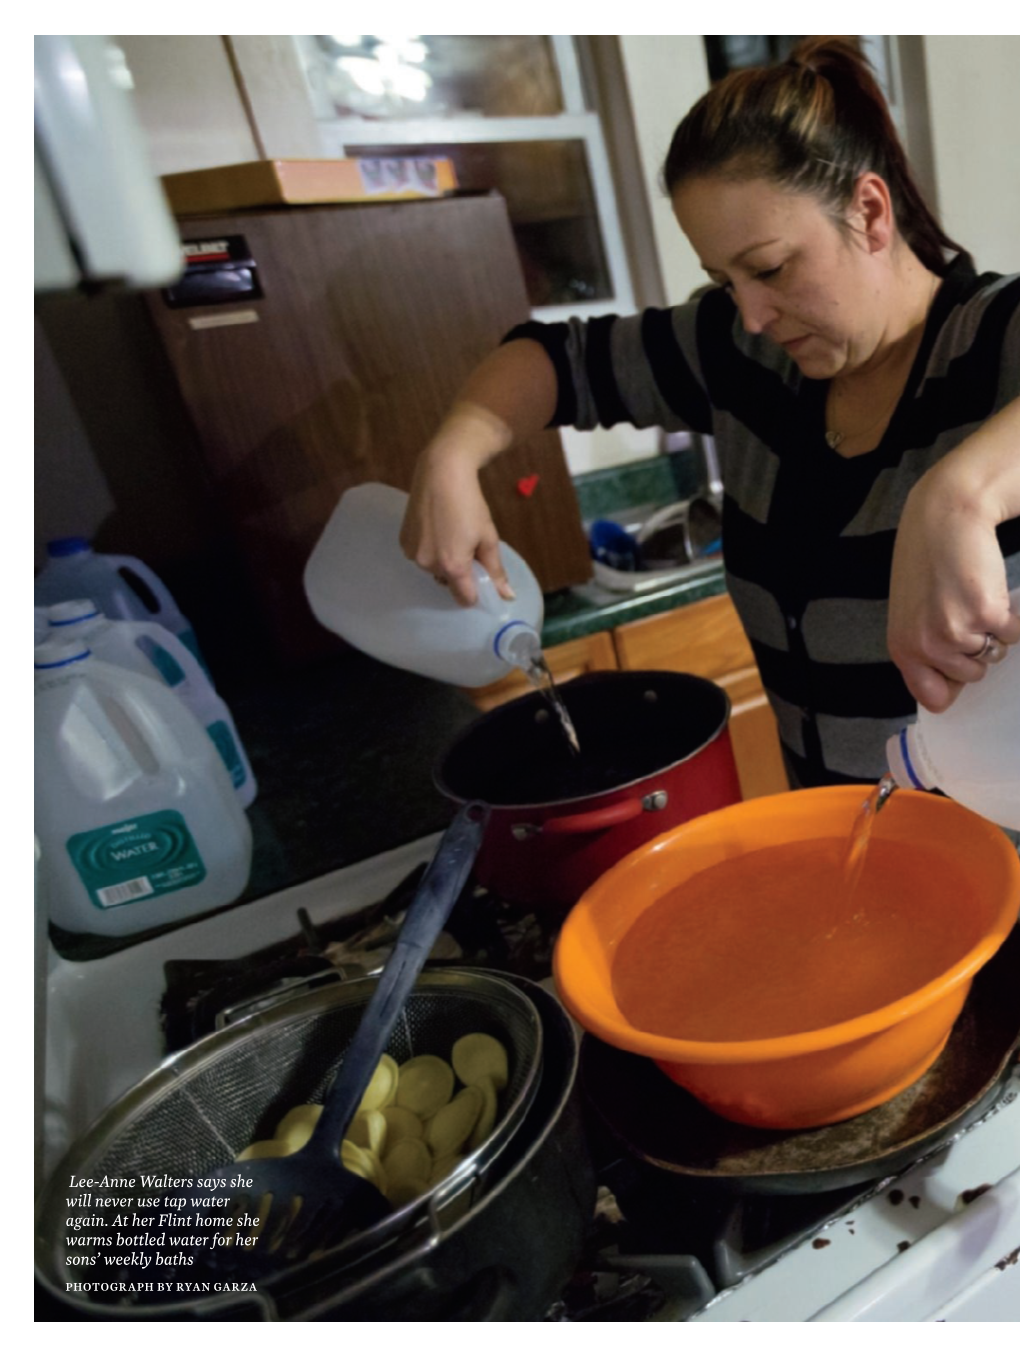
<point x="541" y="677"/>
<point x="857" y="842"/>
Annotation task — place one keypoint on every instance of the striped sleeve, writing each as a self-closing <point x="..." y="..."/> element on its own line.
<point x="643" y="370"/>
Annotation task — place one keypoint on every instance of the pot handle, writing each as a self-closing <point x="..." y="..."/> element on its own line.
<point x="599" y="819"/>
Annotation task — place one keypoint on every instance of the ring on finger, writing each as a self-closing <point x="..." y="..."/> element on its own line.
<point x="994" y="650"/>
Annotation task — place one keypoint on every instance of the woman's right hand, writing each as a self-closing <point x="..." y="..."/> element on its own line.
<point x="448" y="525"/>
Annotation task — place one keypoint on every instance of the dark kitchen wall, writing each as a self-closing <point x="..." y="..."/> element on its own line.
<point x="117" y="461"/>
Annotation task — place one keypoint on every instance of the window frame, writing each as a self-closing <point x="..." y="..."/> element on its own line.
<point x="578" y="122"/>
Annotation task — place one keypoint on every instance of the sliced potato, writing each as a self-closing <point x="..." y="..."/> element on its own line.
<point x="368" y="1130"/>
<point x="357" y="1159"/>
<point x="268" y="1147"/>
<point x="381" y="1089"/>
<point x="477" y="1057"/>
<point x="400" y="1124"/>
<point x="487" y="1119"/>
<point x="443" y="1166"/>
<point x="450" y="1127"/>
<point x="425" y="1085"/>
<point x="379" y="1177"/>
<point x="296" y="1126"/>
<point x="403" y="1192"/>
<point x="409" y="1160"/>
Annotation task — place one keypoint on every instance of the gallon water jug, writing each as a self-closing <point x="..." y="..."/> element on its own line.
<point x="360" y="585"/>
<point x="74" y="572"/>
<point x="150" y="649"/>
<point x="135" y="814"/>
<point x="972" y="750"/>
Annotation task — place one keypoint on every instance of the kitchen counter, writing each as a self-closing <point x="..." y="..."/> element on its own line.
<point x="587" y="609"/>
<point x="343" y="752"/>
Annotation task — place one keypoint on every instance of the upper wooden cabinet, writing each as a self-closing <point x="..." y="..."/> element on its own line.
<point x="707" y="639"/>
<point x="365" y="323"/>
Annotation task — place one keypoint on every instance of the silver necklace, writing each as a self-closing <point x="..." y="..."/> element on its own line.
<point x="835" y="437"/>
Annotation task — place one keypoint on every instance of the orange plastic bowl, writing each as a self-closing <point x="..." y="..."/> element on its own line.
<point x="797" y="1080"/>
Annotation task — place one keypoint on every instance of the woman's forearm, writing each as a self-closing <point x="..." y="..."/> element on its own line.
<point x="948" y="588"/>
<point x="510" y="396"/>
<point x="448" y="525"/>
<point x="981" y="476"/>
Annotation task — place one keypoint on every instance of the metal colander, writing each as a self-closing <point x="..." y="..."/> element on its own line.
<point x="205" y="1104"/>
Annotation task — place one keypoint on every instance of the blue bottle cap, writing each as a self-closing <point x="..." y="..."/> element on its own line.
<point x="67" y="547"/>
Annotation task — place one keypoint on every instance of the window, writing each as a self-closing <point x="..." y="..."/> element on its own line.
<point x="512" y="114"/>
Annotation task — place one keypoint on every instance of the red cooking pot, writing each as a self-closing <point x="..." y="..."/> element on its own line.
<point x="655" y="752"/>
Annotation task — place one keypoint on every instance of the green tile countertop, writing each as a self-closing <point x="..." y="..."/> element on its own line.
<point x="587" y="609"/>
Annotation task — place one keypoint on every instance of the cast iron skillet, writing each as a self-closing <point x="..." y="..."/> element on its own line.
<point x="667" y="1128"/>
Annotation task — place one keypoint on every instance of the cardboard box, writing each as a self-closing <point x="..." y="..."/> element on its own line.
<point x="266" y="184"/>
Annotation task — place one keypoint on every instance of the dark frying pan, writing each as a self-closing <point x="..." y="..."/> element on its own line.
<point x="666" y="1128"/>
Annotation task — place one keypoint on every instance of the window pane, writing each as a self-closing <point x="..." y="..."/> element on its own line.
<point x="377" y="77"/>
<point x="734" y="53"/>
<point x="551" y="204"/>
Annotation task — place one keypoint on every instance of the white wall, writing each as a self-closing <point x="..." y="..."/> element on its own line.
<point x="974" y="97"/>
<point x="665" y="76"/>
<point x="188" y="102"/>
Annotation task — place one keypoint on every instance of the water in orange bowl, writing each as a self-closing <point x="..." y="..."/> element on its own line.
<point x="772" y="943"/>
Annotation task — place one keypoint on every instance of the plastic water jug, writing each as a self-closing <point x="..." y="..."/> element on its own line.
<point x="150" y="649"/>
<point x="972" y="750"/>
<point x="74" y="572"/>
<point x="361" y="586"/>
<point x="135" y="814"/>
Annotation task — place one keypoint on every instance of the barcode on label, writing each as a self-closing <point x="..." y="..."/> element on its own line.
<point x="124" y="892"/>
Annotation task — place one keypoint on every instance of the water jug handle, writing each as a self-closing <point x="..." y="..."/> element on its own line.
<point x="167" y="603"/>
<point x="194" y="672"/>
<point x="488" y="596"/>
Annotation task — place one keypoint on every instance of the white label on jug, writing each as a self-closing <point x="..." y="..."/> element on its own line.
<point x="146" y="857"/>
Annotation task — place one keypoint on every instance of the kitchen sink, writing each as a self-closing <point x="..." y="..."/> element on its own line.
<point x="637" y="582"/>
<point x="650" y="549"/>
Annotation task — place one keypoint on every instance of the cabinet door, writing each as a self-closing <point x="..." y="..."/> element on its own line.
<point x="707" y="639"/>
<point x="369" y="321"/>
<point x="569" y="659"/>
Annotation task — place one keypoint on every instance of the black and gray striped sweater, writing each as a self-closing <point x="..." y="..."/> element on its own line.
<point x="807" y="535"/>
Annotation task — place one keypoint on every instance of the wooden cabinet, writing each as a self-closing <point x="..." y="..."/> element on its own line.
<point x="707" y="639"/>
<point x="567" y="660"/>
<point x="365" y="321"/>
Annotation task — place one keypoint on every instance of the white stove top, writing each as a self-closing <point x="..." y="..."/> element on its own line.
<point x="919" y="1247"/>
<point x="914" y="1250"/>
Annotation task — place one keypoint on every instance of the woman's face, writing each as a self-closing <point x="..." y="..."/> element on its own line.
<point x="794" y="276"/>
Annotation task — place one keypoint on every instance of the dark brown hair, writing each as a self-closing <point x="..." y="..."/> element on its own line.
<point x="812" y="124"/>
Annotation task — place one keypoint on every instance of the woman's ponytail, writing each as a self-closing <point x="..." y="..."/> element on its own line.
<point x="813" y="124"/>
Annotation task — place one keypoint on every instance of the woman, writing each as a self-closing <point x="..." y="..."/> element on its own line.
<point x="863" y="388"/>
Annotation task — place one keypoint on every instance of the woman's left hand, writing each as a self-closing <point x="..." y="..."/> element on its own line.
<point x="948" y="590"/>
